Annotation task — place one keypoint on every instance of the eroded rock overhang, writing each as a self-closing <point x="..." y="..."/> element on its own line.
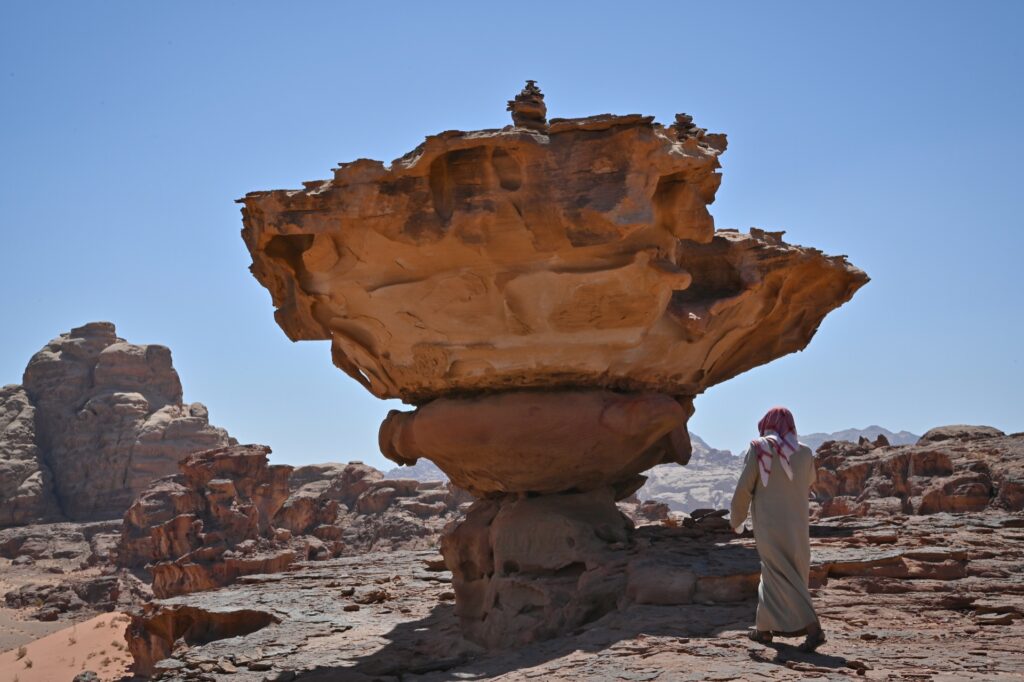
<point x="580" y="255"/>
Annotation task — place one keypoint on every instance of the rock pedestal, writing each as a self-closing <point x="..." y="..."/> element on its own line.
<point x="527" y="568"/>
<point x="551" y="296"/>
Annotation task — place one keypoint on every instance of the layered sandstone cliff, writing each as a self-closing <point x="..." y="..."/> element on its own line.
<point x="95" y="420"/>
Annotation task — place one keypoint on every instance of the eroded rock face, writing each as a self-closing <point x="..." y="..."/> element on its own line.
<point x="949" y="474"/>
<point x="26" y="484"/>
<point x="530" y="568"/>
<point x="95" y="421"/>
<point x="210" y="523"/>
<point x="574" y="254"/>
<point x="230" y="513"/>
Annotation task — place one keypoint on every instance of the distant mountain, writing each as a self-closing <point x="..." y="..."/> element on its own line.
<point x="423" y="470"/>
<point x="707" y="481"/>
<point x="814" y="440"/>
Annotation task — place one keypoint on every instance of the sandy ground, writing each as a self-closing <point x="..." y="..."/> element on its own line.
<point x="16" y="629"/>
<point x="96" y="644"/>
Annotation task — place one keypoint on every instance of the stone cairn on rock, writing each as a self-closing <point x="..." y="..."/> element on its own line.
<point x="551" y="297"/>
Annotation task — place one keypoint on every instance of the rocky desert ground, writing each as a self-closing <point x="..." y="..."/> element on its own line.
<point x="237" y="569"/>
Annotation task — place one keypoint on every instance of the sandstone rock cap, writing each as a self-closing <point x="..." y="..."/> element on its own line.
<point x="578" y="253"/>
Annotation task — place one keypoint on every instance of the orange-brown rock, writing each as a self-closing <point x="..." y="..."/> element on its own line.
<point x="542" y="442"/>
<point x="229" y="513"/>
<point x="578" y="253"/>
<point x="530" y="568"/>
<point x="211" y="523"/>
<point x="976" y="468"/>
<point x="152" y="633"/>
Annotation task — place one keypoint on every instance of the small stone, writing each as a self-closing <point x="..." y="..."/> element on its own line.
<point x="994" y="619"/>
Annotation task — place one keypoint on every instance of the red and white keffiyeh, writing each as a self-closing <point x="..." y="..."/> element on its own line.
<point x="778" y="437"/>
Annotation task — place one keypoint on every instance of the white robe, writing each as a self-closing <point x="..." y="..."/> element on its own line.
<point x="779" y="512"/>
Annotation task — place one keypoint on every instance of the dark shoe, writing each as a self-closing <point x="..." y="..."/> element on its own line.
<point x="811" y="644"/>
<point x="759" y="636"/>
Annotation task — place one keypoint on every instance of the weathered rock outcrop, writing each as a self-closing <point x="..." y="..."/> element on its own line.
<point x="357" y="509"/>
<point x="95" y="421"/>
<point x="959" y="432"/>
<point x="551" y="296"/>
<point x="532" y="567"/>
<point x="978" y="468"/>
<point x="211" y="523"/>
<point x="230" y="513"/>
<point x="26" y="484"/>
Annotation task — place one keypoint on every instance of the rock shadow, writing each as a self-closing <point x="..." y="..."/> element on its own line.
<point x="790" y="656"/>
<point x="432" y="648"/>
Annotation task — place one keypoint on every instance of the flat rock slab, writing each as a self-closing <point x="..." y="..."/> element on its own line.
<point x="925" y="622"/>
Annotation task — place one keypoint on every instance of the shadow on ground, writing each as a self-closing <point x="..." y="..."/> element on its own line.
<point x="615" y="643"/>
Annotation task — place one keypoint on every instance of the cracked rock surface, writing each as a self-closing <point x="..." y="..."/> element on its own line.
<point x="923" y="597"/>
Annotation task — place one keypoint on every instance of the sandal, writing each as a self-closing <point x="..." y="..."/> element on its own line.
<point x="760" y="637"/>
<point x="810" y="644"/>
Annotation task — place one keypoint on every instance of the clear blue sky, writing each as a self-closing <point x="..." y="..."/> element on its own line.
<point x="887" y="131"/>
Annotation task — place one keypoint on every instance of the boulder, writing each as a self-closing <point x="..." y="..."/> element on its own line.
<point x="210" y="523"/>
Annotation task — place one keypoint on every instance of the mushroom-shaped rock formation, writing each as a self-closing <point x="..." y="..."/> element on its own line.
<point x="550" y="295"/>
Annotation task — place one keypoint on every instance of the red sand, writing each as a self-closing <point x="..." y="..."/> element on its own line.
<point x="97" y="644"/>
